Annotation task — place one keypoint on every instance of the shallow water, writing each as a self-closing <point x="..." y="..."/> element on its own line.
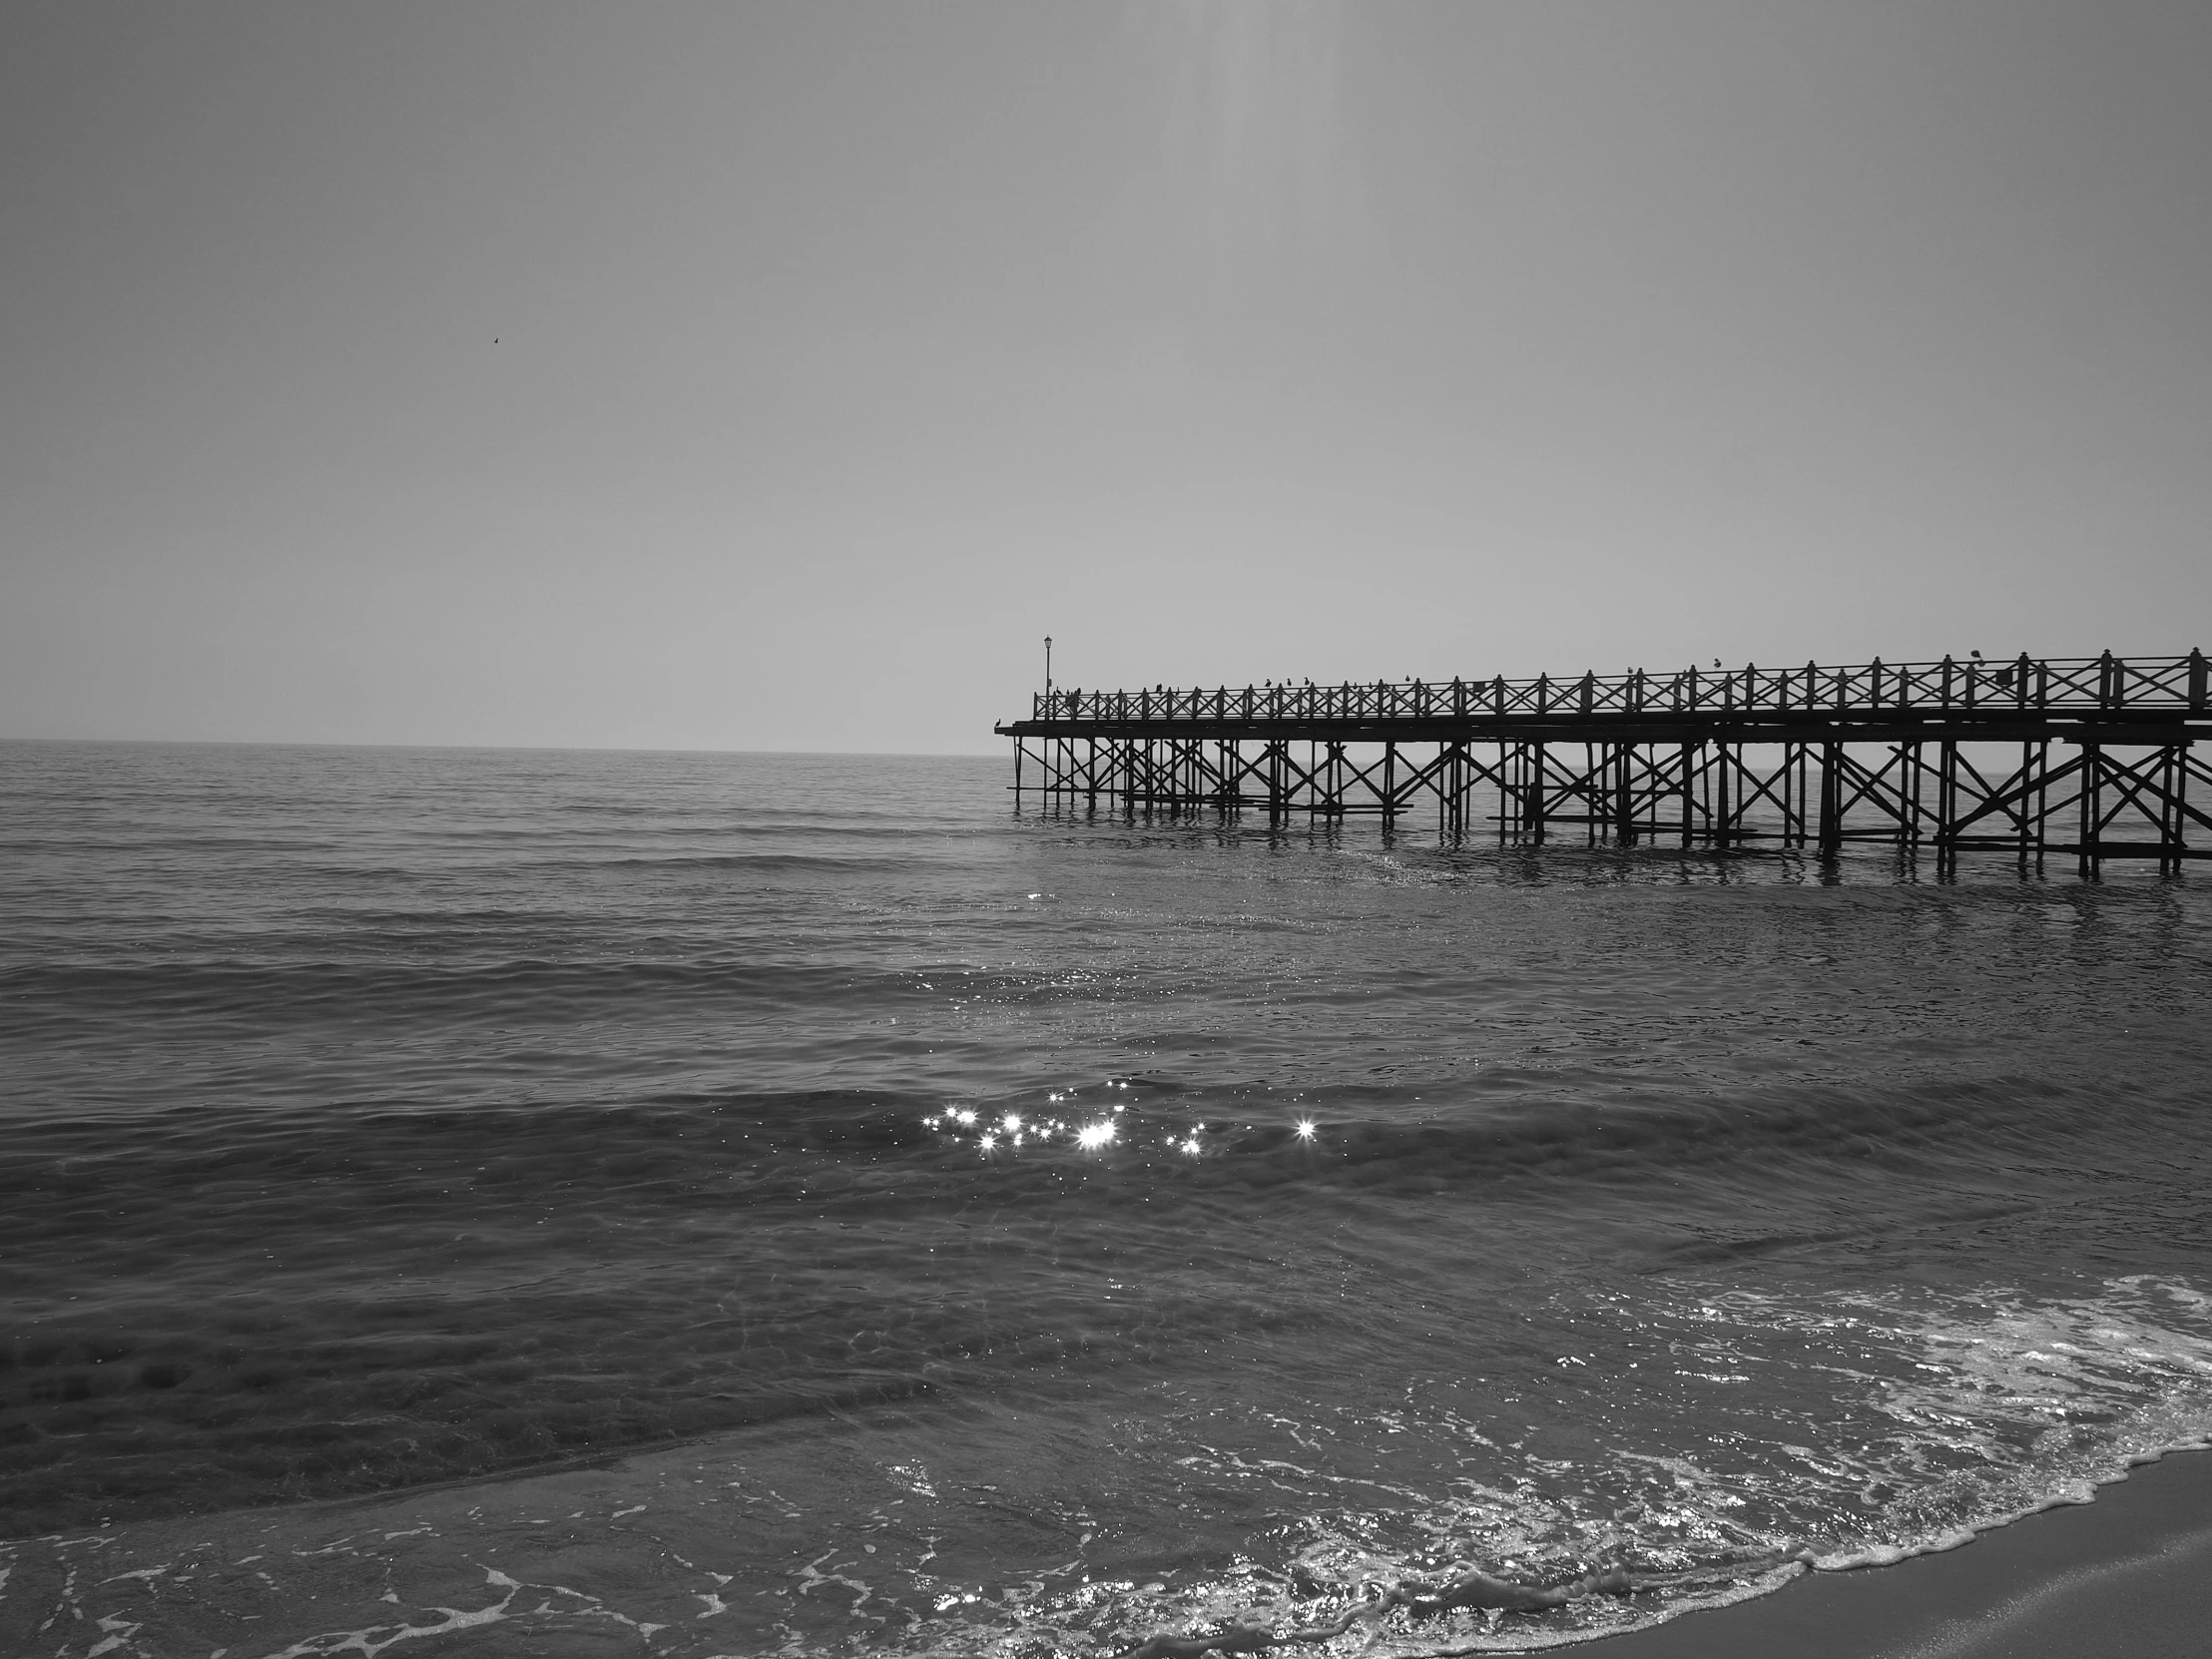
<point x="902" y="1225"/>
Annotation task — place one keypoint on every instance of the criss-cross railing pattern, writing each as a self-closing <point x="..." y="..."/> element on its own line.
<point x="2043" y="683"/>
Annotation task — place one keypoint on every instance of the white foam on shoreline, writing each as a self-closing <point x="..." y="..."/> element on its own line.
<point x="1989" y="1408"/>
<point x="1969" y="1410"/>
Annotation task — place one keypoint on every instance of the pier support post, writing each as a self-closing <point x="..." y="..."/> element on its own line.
<point x="1832" y="798"/>
<point x="1725" y="756"/>
<point x="1916" y="775"/>
<point x="1946" y="807"/>
<point x="2086" y="862"/>
<point x="1689" y="794"/>
<point x="2170" y="775"/>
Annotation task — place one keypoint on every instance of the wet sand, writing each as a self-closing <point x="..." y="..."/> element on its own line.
<point x="2126" y="1577"/>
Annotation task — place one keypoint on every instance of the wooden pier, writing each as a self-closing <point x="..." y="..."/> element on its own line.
<point x="2081" y="756"/>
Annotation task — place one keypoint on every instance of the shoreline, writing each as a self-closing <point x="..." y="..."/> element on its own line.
<point x="592" y="1559"/>
<point x="2128" y="1576"/>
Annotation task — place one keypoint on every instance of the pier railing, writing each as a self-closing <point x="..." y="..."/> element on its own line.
<point x="2087" y="685"/>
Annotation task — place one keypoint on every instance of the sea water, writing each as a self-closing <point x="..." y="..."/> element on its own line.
<point x="527" y="1202"/>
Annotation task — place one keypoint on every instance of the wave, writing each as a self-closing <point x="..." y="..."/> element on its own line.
<point x="458" y="989"/>
<point x="1965" y="1411"/>
<point x="823" y="864"/>
<point x="1025" y="1148"/>
<point x="1543" y="1133"/>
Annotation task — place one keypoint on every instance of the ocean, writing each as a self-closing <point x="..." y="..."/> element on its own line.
<point x="690" y="1204"/>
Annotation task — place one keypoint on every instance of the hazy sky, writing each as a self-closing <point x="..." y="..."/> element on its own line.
<point x="844" y="349"/>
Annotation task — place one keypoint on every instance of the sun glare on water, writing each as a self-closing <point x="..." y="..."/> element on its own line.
<point x="1004" y="1132"/>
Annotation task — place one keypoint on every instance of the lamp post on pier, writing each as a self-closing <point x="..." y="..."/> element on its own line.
<point x="1048" y="669"/>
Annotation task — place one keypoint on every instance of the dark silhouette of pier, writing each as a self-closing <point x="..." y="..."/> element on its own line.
<point x="2087" y="756"/>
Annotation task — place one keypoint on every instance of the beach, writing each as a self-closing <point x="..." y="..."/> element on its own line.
<point x="540" y="1202"/>
<point x="990" y="830"/>
<point x="2129" y="1575"/>
<point x="621" y="1559"/>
